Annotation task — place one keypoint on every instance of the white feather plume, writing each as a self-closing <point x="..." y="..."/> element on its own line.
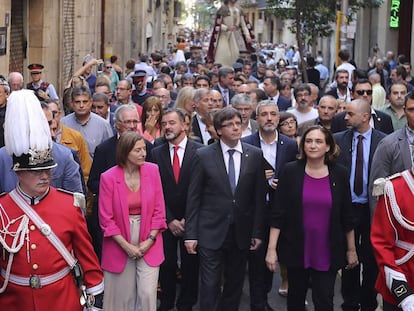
<point x="25" y="125"/>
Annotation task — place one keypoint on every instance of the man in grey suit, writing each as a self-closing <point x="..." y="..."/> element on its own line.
<point x="243" y="104"/>
<point x="224" y="214"/>
<point x="395" y="152"/>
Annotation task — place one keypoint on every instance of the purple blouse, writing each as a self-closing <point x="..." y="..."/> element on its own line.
<point x="317" y="206"/>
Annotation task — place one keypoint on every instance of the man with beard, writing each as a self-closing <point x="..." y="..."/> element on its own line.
<point x="341" y="91"/>
<point x="362" y="89"/>
<point x="304" y="110"/>
<point x="174" y="160"/>
<point x="395" y="109"/>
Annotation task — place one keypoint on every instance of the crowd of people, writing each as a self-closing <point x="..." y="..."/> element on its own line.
<point x="195" y="172"/>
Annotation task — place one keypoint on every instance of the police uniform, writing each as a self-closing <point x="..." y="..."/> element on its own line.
<point x="38" y="258"/>
<point x="392" y="236"/>
<point x="41" y="85"/>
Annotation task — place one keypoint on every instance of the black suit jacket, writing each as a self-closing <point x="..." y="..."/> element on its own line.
<point x="382" y="122"/>
<point x="283" y="103"/>
<point x="287" y="149"/>
<point x="211" y="203"/>
<point x="175" y="194"/>
<point x="231" y="94"/>
<point x="287" y="214"/>
<point x="344" y="141"/>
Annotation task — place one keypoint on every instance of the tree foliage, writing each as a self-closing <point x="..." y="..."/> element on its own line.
<point x="313" y="18"/>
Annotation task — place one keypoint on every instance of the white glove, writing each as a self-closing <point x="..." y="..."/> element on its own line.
<point x="408" y="303"/>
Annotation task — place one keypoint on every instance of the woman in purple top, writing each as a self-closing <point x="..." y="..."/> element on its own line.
<point x="312" y="222"/>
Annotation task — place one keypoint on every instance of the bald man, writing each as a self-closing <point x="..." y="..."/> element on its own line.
<point x="357" y="145"/>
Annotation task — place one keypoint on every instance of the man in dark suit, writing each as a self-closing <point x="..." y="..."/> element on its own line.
<point x="357" y="145"/>
<point x="224" y="214"/>
<point x="278" y="149"/>
<point x="341" y="90"/>
<point x="175" y="169"/>
<point x="271" y="86"/>
<point x="126" y="119"/>
<point x="225" y="84"/>
<point x="243" y="104"/>
<point x="204" y="104"/>
<point x="362" y="89"/>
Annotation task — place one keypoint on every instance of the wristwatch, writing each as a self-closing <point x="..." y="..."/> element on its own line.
<point x="151" y="237"/>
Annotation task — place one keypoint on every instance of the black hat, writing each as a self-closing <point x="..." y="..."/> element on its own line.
<point x="26" y="133"/>
<point x="36" y="67"/>
<point x="139" y="74"/>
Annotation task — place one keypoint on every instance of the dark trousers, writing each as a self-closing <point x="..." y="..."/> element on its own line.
<point x="94" y="228"/>
<point x="189" y="274"/>
<point x="355" y="294"/>
<point x="260" y="277"/>
<point x="322" y="284"/>
<point x="390" y="307"/>
<point x="229" y="263"/>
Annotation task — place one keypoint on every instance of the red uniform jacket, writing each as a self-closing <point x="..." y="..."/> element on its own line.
<point x="384" y="233"/>
<point x="68" y="223"/>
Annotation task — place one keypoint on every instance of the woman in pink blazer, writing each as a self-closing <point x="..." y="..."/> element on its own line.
<point x="131" y="215"/>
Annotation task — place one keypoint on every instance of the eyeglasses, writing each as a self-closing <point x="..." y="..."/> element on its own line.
<point x="128" y="122"/>
<point x="35" y="73"/>
<point x="286" y="123"/>
<point x="229" y="125"/>
<point x="108" y="67"/>
<point x="120" y="89"/>
<point x="361" y="92"/>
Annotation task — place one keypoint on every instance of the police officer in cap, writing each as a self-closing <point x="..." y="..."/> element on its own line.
<point x="43" y="90"/>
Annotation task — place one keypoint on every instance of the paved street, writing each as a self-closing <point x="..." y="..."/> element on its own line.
<point x="278" y="303"/>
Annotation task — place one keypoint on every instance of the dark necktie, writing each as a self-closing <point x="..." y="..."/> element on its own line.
<point x="359" y="165"/>
<point x="232" y="173"/>
<point x="225" y="97"/>
<point x="176" y="164"/>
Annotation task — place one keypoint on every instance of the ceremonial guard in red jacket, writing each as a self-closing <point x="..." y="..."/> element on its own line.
<point x="46" y="258"/>
<point x="392" y="236"/>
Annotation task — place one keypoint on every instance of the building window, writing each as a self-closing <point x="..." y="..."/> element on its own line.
<point x="149" y="6"/>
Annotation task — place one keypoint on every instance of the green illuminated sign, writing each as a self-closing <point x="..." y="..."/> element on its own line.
<point x="395" y="14"/>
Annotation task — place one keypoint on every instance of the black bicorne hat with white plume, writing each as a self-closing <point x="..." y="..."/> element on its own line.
<point x="26" y="133"/>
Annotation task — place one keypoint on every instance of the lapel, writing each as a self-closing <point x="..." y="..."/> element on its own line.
<point x="144" y="184"/>
<point x="280" y="154"/>
<point x="375" y="139"/>
<point x="244" y="163"/>
<point x="166" y="159"/>
<point x="188" y="154"/>
<point x="404" y="148"/>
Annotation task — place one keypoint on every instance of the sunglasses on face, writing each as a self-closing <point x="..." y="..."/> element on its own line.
<point x="361" y="92"/>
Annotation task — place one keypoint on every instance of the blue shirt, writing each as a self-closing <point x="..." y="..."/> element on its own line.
<point x="366" y="142"/>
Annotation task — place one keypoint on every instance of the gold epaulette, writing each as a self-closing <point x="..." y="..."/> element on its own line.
<point x="379" y="184"/>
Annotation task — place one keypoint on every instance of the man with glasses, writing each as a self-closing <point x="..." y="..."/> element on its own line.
<point x="224" y="212"/>
<point x="43" y="90"/>
<point x="93" y="128"/>
<point x="304" y="110"/>
<point x="362" y="89"/>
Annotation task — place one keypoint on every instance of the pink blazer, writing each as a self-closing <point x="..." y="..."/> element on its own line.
<point x="114" y="215"/>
